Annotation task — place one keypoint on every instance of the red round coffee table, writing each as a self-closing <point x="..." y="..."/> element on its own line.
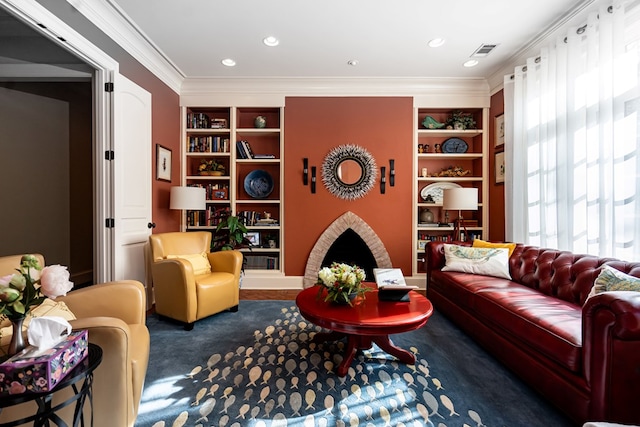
<point x="368" y="321"/>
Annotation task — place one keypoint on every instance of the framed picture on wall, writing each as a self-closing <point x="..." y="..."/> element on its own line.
<point x="163" y="163"/>
<point x="500" y="167"/>
<point x="499" y="131"/>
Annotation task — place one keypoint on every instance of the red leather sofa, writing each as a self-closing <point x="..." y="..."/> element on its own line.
<point x="583" y="357"/>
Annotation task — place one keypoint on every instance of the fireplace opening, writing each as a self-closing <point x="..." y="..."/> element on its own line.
<point x="349" y="248"/>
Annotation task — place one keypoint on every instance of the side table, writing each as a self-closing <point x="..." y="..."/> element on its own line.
<point x="80" y="379"/>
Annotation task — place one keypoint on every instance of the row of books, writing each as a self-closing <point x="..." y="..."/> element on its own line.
<point x="261" y="262"/>
<point x="208" y="144"/>
<point x="218" y="191"/>
<point x="203" y="121"/>
<point x="254" y="218"/>
<point x="208" y="217"/>
<point x="245" y="151"/>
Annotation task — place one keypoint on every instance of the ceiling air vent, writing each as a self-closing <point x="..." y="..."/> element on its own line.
<point x="483" y="50"/>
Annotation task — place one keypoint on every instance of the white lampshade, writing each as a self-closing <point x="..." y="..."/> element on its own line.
<point x="192" y="198"/>
<point x="460" y="199"/>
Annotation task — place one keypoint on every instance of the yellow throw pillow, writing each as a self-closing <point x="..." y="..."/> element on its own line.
<point x="477" y="243"/>
<point x="200" y="262"/>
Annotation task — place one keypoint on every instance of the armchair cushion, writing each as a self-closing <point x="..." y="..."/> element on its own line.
<point x="200" y="262"/>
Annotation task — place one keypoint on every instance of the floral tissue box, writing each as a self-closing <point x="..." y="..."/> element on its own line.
<point x="33" y="371"/>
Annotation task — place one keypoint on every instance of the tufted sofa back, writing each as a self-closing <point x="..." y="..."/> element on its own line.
<point x="562" y="274"/>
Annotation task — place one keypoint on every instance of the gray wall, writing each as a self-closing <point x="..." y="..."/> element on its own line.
<point x="34" y="176"/>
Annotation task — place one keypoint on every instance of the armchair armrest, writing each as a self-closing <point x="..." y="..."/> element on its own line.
<point x="125" y="300"/>
<point x="611" y="353"/>
<point x="227" y="261"/>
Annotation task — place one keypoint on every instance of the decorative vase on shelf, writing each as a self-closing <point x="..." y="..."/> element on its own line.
<point x="260" y="122"/>
<point x="17" y="343"/>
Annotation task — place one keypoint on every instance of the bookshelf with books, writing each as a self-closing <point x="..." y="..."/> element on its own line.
<point x="246" y="144"/>
<point x="448" y="157"/>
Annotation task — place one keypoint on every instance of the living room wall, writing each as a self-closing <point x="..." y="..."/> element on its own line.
<point x="314" y="126"/>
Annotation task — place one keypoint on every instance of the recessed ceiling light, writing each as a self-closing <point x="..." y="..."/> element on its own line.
<point x="471" y="63"/>
<point x="353" y="62"/>
<point x="271" y="41"/>
<point x="229" y="62"/>
<point x="437" y="42"/>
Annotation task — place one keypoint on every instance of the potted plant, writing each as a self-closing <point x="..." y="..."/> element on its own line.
<point x="461" y="121"/>
<point x="230" y="234"/>
<point x="211" y="167"/>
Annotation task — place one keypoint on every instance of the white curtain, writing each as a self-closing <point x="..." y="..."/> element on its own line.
<point x="572" y="139"/>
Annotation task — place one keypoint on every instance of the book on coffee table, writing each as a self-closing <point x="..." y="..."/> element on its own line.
<point x="391" y="284"/>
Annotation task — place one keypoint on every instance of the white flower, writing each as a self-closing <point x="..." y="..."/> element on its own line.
<point x="326" y="276"/>
<point x="54" y="281"/>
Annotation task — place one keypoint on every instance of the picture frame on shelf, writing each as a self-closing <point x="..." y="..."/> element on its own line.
<point x="163" y="163"/>
<point x="499" y="131"/>
<point x="500" y="167"/>
<point x="253" y="237"/>
<point x="221" y="194"/>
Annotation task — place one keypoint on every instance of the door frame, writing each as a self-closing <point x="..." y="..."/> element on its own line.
<point x="50" y="26"/>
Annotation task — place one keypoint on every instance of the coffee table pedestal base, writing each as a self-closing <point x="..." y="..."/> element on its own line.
<point x="363" y="342"/>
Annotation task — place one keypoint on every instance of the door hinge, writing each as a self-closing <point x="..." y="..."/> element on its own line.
<point x="108" y="87"/>
<point x="109" y="155"/>
<point x="110" y="223"/>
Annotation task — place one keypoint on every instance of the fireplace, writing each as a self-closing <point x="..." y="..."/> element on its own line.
<point x="342" y="230"/>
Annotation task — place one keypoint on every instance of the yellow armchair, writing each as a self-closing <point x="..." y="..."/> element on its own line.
<point x="186" y="290"/>
<point x="114" y="315"/>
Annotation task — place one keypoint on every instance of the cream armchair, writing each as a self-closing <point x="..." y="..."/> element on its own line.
<point x="114" y="315"/>
<point x="189" y="281"/>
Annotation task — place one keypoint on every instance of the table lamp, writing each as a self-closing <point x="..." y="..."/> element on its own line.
<point x="460" y="199"/>
<point x="188" y="198"/>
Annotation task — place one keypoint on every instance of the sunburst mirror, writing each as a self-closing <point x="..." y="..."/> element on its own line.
<point x="349" y="171"/>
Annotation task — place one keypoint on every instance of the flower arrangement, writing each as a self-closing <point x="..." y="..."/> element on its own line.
<point x="211" y="167"/>
<point x="30" y="286"/>
<point x="341" y="281"/>
<point x="460" y="120"/>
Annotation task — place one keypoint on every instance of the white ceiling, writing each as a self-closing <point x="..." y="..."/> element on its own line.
<point x="317" y="39"/>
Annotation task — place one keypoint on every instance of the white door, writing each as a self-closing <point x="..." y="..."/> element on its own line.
<point x="131" y="109"/>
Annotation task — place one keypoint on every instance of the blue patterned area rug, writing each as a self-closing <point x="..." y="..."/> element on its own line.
<point x="258" y="367"/>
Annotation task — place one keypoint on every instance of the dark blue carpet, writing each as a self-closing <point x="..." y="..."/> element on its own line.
<point x="258" y="367"/>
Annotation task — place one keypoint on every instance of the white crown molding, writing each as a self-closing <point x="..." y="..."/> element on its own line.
<point x="110" y="19"/>
<point x="259" y="91"/>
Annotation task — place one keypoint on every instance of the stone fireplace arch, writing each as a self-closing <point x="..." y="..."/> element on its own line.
<point x="346" y="221"/>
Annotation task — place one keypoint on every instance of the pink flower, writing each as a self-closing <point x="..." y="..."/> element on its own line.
<point x="54" y="281"/>
<point x="17" y="388"/>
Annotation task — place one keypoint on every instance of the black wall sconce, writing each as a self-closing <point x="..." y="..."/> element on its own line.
<point x="392" y="172"/>
<point x="305" y="171"/>
<point x="313" y="180"/>
<point x="383" y="179"/>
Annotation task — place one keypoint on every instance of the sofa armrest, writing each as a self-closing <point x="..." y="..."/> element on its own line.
<point x="125" y="300"/>
<point x="611" y="353"/>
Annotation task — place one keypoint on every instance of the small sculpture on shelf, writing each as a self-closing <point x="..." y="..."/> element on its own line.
<point x="453" y="171"/>
<point x="431" y="123"/>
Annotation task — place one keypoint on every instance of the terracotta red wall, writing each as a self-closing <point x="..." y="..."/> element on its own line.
<point x="496" y="191"/>
<point x="315" y="125"/>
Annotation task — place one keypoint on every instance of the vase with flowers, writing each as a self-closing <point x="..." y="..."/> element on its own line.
<point x="28" y="288"/>
<point x="342" y="282"/>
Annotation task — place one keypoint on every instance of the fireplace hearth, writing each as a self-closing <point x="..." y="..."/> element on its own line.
<point x="348" y="239"/>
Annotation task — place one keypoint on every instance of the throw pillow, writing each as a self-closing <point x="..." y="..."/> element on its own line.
<point x="486" y="261"/>
<point x="611" y="279"/>
<point x="477" y="243"/>
<point x="200" y="262"/>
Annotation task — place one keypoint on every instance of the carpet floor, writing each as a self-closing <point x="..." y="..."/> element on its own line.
<point x="258" y="367"/>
